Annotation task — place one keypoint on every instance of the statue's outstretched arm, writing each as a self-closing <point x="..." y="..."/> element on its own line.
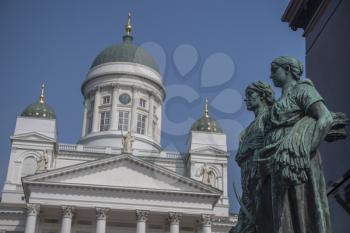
<point x="324" y="121"/>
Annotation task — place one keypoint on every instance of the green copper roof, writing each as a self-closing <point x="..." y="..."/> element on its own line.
<point x="206" y="124"/>
<point x="39" y="110"/>
<point x="125" y="52"/>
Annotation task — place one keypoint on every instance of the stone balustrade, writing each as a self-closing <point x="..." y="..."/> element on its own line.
<point x="63" y="147"/>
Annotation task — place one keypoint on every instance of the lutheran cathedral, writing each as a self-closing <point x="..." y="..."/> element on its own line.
<point x="116" y="178"/>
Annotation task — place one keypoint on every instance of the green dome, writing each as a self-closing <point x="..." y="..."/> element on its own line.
<point x="39" y="110"/>
<point x="206" y="124"/>
<point x="125" y="52"/>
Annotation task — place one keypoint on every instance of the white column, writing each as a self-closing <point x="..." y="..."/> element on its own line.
<point x="83" y="129"/>
<point x="135" y="103"/>
<point x="150" y="116"/>
<point x="32" y="213"/>
<point x="141" y="218"/>
<point x="206" y="223"/>
<point x="96" y="118"/>
<point x="67" y="215"/>
<point x="114" y="115"/>
<point x="174" y="222"/>
<point x="101" y="218"/>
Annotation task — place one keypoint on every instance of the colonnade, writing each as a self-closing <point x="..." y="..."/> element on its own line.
<point x="174" y="220"/>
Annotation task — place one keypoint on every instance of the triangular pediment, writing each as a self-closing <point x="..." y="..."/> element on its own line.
<point x="33" y="136"/>
<point x="208" y="150"/>
<point x="121" y="172"/>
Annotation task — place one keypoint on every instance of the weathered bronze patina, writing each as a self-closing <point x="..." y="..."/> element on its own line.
<point x="289" y="191"/>
<point x="259" y="99"/>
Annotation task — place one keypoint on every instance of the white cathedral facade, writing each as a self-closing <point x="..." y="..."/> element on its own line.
<point x="116" y="178"/>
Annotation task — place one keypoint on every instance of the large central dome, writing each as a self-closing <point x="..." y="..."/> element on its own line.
<point x="125" y="52"/>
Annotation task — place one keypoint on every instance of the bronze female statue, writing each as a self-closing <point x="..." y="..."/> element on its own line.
<point x="259" y="99"/>
<point x="299" y="122"/>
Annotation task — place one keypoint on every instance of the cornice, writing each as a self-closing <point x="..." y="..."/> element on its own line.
<point x="12" y="212"/>
<point x="149" y="74"/>
<point x="119" y="189"/>
<point x="209" y="148"/>
<point x="41" y="138"/>
<point x="291" y="10"/>
<point x="117" y="134"/>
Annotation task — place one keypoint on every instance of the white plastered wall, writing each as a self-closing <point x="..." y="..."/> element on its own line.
<point x="32" y="138"/>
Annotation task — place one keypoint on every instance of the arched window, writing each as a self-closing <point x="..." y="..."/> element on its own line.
<point x="29" y="166"/>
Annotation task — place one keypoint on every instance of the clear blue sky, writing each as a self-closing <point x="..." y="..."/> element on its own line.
<point x="208" y="49"/>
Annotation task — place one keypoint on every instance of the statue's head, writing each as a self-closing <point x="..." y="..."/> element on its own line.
<point x="285" y="69"/>
<point x="257" y="94"/>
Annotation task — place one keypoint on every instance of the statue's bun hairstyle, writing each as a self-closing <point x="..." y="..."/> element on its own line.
<point x="264" y="90"/>
<point x="295" y="66"/>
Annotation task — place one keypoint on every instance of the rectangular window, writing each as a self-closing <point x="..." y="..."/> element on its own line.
<point x="123" y="122"/>
<point x="105" y="121"/>
<point x="141" y="123"/>
<point x="142" y="103"/>
<point x="106" y="99"/>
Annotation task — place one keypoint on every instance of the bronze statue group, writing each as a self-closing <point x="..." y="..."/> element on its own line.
<point x="283" y="185"/>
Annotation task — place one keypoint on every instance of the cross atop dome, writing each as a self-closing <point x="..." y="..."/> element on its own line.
<point x="41" y="99"/>
<point x="206" y="112"/>
<point x="128" y="28"/>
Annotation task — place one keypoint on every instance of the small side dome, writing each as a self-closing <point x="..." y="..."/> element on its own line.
<point x="39" y="109"/>
<point x="206" y="123"/>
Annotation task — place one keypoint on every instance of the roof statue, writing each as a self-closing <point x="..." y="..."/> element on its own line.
<point x="42" y="162"/>
<point x="127" y="142"/>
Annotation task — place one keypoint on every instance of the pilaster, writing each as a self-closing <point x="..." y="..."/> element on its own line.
<point x="95" y="121"/>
